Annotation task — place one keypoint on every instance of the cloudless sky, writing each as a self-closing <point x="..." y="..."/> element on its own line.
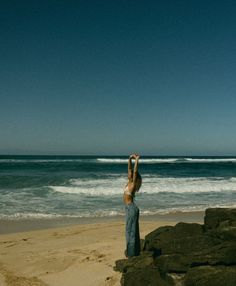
<point x="114" y="77"/>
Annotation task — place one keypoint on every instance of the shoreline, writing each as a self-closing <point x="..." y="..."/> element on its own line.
<point x="8" y="226"/>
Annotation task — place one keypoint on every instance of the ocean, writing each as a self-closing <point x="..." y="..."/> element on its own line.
<point x="92" y="186"/>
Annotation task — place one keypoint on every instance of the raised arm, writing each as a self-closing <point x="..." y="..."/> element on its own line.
<point x="135" y="173"/>
<point x="130" y="170"/>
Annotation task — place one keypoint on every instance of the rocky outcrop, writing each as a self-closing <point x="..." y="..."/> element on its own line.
<point x="216" y="217"/>
<point x="187" y="254"/>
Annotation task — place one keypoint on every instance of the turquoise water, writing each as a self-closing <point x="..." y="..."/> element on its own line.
<point x="92" y="186"/>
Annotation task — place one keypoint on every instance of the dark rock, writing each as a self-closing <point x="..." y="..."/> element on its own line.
<point x="146" y="276"/>
<point x="176" y="278"/>
<point x="120" y="265"/>
<point x="213" y="252"/>
<point x="180" y="239"/>
<point x="223" y="233"/>
<point x="172" y="263"/>
<point x="211" y="276"/>
<point x="140" y="270"/>
<point x="152" y="239"/>
<point x="224" y="253"/>
<point x="186" y="254"/>
<point x="136" y="262"/>
<point x="214" y="217"/>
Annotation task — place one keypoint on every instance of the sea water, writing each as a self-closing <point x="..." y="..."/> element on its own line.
<point x="92" y="186"/>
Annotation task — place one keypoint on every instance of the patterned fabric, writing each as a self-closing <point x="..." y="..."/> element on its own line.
<point x="132" y="230"/>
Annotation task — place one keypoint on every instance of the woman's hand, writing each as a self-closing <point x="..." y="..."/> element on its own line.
<point x="137" y="156"/>
<point x="134" y="156"/>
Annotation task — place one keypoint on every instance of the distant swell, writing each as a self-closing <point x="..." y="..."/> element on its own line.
<point x="40" y="160"/>
<point x="169" y="160"/>
<point x="210" y="160"/>
<point x="154" y="160"/>
<point x="119" y="160"/>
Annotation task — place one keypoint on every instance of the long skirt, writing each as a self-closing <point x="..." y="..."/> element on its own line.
<point x="132" y="230"/>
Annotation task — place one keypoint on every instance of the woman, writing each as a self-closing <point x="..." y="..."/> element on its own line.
<point x="131" y="210"/>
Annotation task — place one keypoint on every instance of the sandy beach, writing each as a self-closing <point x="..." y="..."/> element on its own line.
<point x="82" y="254"/>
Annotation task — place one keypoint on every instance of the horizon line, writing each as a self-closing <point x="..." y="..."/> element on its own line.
<point x="122" y="155"/>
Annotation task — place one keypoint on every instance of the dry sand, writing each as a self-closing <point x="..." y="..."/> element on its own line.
<point x="76" y="255"/>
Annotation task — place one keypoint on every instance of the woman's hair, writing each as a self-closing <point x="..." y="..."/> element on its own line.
<point x="139" y="181"/>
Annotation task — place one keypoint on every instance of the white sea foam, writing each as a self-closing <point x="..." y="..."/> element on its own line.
<point x="168" y="160"/>
<point x="197" y="208"/>
<point x="151" y="185"/>
<point x="95" y="187"/>
<point x="41" y="160"/>
<point x="43" y="216"/>
<point x="188" y="185"/>
<point x="111" y="213"/>
<point x="210" y="160"/>
<point x="29" y="215"/>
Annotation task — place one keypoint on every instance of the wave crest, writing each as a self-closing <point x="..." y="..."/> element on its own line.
<point x="151" y="185"/>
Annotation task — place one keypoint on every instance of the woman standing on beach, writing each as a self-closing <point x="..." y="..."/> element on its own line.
<point x="131" y="209"/>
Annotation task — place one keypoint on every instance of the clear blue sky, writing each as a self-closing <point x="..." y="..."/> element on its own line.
<point x="113" y="77"/>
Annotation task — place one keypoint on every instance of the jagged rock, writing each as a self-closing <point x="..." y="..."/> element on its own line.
<point x="176" y="278"/>
<point x="224" y="254"/>
<point x="214" y="217"/>
<point x="152" y="243"/>
<point x="145" y="276"/>
<point x="136" y="262"/>
<point x="172" y="263"/>
<point x="223" y="233"/>
<point x="183" y="238"/>
<point x="186" y="254"/>
<point x="211" y="276"/>
<point x="140" y="271"/>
